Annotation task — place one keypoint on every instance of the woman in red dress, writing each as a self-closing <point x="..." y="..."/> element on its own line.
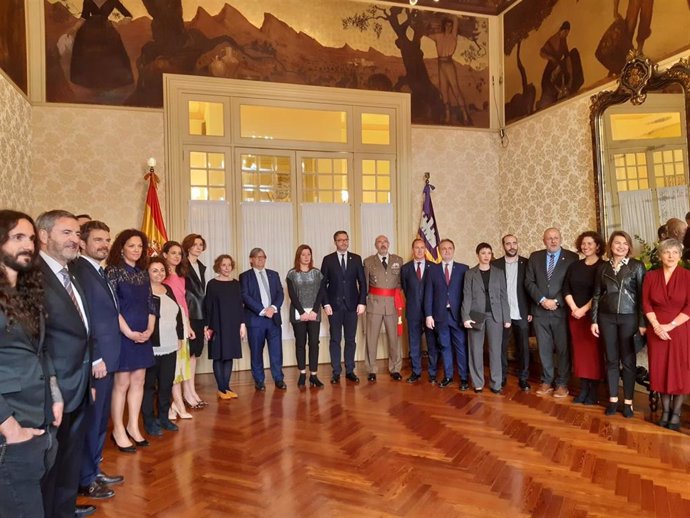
<point x="666" y="303"/>
<point x="577" y="290"/>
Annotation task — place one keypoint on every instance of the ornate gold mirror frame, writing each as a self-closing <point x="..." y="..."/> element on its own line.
<point x="638" y="78"/>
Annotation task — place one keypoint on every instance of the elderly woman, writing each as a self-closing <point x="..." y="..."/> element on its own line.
<point x="617" y="315"/>
<point x="485" y="313"/>
<point x="666" y="303"/>
<point x="578" y="288"/>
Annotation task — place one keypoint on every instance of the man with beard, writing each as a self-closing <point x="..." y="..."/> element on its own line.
<point x="67" y="336"/>
<point x="105" y="335"/>
<point x="515" y="266"/>
<point x="30" y="400"/>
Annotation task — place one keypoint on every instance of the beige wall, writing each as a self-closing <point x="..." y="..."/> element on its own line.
<point x="546" y="176"/>
<point x="15" y="148"/>
<point x="93" y="160"/>
<point x="464" y="169"/>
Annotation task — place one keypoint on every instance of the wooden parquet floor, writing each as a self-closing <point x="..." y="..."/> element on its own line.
<point x="392" y="449"/>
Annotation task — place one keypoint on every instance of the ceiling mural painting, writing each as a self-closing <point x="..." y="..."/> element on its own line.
<point x="13" y="42"/>
<point x="116" y="51"/>
<point x="555" y="49"/>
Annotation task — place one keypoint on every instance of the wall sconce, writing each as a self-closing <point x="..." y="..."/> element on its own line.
<point x="152" y="164"/>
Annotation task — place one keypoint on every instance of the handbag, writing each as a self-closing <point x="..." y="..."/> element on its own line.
<point x="478" y="317"/>
<point x="640" y="341"/>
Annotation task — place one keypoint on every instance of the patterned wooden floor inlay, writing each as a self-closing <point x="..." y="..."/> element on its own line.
<point x="392" y="449"/>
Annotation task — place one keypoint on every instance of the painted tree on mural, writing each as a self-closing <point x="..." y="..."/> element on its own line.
<point x="526" y="17"/>
<point x="410" y="25"/>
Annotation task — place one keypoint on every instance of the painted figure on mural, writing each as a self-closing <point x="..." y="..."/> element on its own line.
<point x="446" y="43"/>
<point x="99" y="58"/>
<point x="563" y="71"/>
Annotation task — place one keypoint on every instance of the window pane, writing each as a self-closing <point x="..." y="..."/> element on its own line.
<point x="198" y="177"/>
<point x="340" y="182"/>
<point x="197" y="159"/>
<point x="326" y="197"/>
<point x="668" y="156"/>
<point x="340" y="166"/>
<point x="376" y="129"/>
<point x="310" y="197"/>
<point x="636" y="126"/>
<point x="216" y="161"/>
<point x="216" y="193"/>
<point x="384" y="183"/>
<point x="308" y="165"/>
<point x="368" y="167"/>
<point x="325" y="182"/>
<point x="216" y="178"/>
<point x="310" y="181"/>
<point x="383" y="166"/>
<point x="622" y="186"/>
<point x="369" y="197"/>
<point x="678" y="155"/>
<point x="278" y="123"/>
<point x="206" y="118"/>
<point x="383" y="197"/>
<point x="368" y="183"/>
<point x="324" y="165"/>
<point x="633" y="185"/>
<point x="644" y="184"/>
<point x="344" y="196"/>
<point x="199" y="193"/>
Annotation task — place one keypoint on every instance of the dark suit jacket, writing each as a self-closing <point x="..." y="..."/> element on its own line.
<point x="437" y="294"/>
<point x="251" y="296"/>
<point x="104" y="317"/>
<point x="538" y="286"/>
<point x="522" y="296"/>
<point x="413" y="289"/>
<point x="25" y="368"/>
<point x="474" y="295"/>
<point x="67" y="338"/>
<point x="195" y="290"/>
<point x="344" y="291"/>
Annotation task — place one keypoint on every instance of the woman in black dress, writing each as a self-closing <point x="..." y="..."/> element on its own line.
<point x="224" y="323"/>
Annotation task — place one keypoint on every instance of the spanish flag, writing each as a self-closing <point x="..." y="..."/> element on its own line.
<point x="428" y="230"/>
<point x="153" y="225"/>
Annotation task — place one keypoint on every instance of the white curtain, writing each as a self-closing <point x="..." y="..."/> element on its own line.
<point x="673" y="202"/>
<point x="319" y="222"/>
<point x="377" y="219"/>
<point x="637" y="214"/>
<point x="211" y="219"/>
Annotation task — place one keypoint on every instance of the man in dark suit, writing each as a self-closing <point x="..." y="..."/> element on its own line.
<point x="442" y="302"/>
<point x="30" y="400"/>
<point x="344" y="301"/>
<point x="105" y="335"/>
<point x="262" y="294"/>
<point x="67" y="336"/>
<point x="544" y="282"/>
<point x="515" y="266"/>
<point x="412" y="279"/>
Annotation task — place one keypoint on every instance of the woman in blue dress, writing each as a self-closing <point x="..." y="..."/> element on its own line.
<point x="129" y="280"/>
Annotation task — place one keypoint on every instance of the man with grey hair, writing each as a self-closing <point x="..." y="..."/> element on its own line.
<point x="262" y="294"/>
<point x="67" y="337"/>
<point x="384" y="306"/>
<point x="544" y="278"/>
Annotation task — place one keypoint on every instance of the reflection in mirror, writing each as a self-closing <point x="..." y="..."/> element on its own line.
<point x="640" y="142"/>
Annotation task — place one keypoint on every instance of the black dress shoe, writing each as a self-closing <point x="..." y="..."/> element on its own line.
<point x="124" y="449"/>
<point x="84" y="510"/>
<point x="496" y="391"/>
<point x="445" y="382"/>
<point x="335" y="379"/>
<point x="109" y="480"/>
<point x="395" y="376"/>
<point x="169" y="426"/>
<point x="372" y="378"/>
<point x="464" y="385"/>
<point x="524" y="386"/>
<point x="281" y="385"/>
<point x="260" y="387"/>
<point x="414" y="378"/>
<point x="352" y="377"/>
<point x="154" y="430"/>
<point x="96" y="490"/>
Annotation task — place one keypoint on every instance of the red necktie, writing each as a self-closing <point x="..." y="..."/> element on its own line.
<point x="419" y="271"/>
<point x="447" y="274"/>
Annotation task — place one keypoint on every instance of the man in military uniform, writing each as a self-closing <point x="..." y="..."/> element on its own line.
<point x="384" y="305"/>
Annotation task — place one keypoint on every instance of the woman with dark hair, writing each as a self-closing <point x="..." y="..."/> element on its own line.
<point x="167" y="338"/>
<point x="193" y="246"/>
<point x="485" y="312"/>
<point x="617" y="316"/>
<point x="129" y="280"/>
<point x="666" y="302"/>
<point x="224" y="323"/>
<point x="306" y="290"/>
<point x="578" y="288"/>
<point x="172" y="253"/>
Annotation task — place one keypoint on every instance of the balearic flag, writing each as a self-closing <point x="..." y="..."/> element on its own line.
<point x="428" y="229"/>
<point x="153" y="225"/>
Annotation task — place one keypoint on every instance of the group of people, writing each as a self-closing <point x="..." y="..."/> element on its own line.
<point x="89" y="328"/>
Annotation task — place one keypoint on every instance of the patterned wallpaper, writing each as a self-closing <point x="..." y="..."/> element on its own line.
<point x="464" y="167"/>
<point x="15" y="148"/>
<point x="547" y="176"/>
<point x="93" y="160"/>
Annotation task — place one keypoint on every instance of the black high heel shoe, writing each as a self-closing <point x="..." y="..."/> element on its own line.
<point x="314" y="381"/>
<point x="663" y="422"/>
<point x="302" y="380"/>
<point x="674" y="426"/>
<point x="140" y="444"/>
<point x="123" y="449"/>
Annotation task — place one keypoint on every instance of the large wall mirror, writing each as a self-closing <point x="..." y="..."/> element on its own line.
<point x="640" y="144"/>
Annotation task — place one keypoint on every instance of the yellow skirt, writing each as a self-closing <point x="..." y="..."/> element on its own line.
<point x="183" y="367"/>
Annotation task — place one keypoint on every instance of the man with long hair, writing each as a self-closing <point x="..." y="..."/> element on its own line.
<point x="30" y="400"/>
